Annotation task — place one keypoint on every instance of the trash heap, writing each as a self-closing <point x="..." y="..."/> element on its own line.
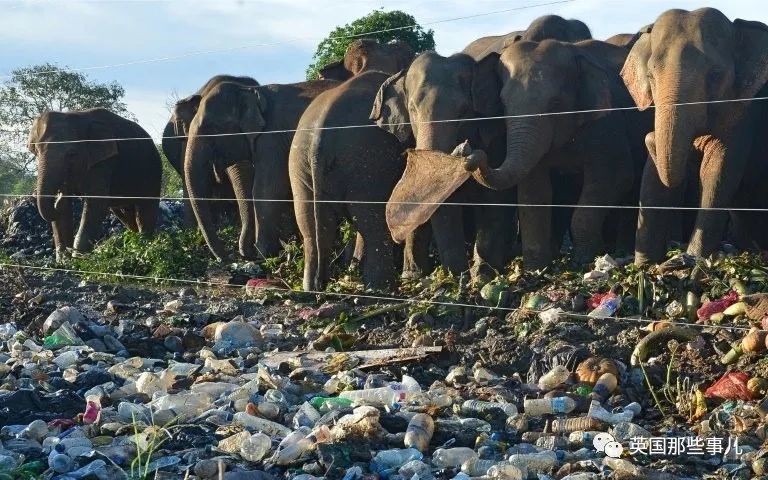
<point x="559" y="375"/>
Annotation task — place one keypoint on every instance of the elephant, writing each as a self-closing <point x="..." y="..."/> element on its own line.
<point x="463" y="86"/>
<point x="622" y="39"/>
<point x="603" y="148"/>
<point x="256" y="165"/>
<point x="683" y="59"/>
<point x="114" y="174"/>
<point x="175" y="133"/>
<point x="330" y="166"/>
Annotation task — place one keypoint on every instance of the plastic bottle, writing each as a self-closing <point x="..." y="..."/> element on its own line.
<point x="577" y="456"/>
<point x="292" y="452"/>
<point x="604" y="386"/>
<point x="394" y="458"/>
<point x="419" y="432"/>
<point x="7" y="330"/>
<point x="58" y="460"/>
<point x="256" y="447"/>
<point x="581" y="438"/>
<point x="326" y="404"/>
<point x="553" y="378"/>
<point x="261" y="424"/>
<point x="625" y="415"/>
<point x="475" y="467"/>
<point x="306" y="416"/>
<point x="541" y="462"/>
<point x="567" y="425"/>
<point x="543" y="406"/>
<point x="452" y="457"/>
<point x="508" y="472"/>
<point x="479" y="407"/>
<point x="608" y="306"/>
<point x="393" y="393"/>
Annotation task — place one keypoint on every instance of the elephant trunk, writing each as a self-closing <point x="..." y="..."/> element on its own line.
<point x="48" y="186"/>
<point x="241" y="176"/>
<point x="676" y="126"/>
<point x="173" y="147"/>
<point x="528" y="140"/>
<point x="197" y="170"/>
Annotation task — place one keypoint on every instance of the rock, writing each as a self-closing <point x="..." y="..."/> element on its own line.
<point x="238" y="334"/>
<point x="173" y="343"/>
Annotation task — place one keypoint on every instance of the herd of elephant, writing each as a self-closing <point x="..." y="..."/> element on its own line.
<point x="560" y="128"/>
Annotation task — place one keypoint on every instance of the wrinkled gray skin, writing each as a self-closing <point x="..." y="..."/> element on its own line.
<point x="347" y="164"/>
<point x="109" y="168"/>
<point x="461" y="86"/>
<point x="178" y="126"/>
<point x="692" y="57"/>
<point x="603" y="148"/>
<point x="255" y="165"/>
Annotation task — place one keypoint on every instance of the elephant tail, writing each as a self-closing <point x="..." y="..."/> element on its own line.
<point x="317" y="168"/>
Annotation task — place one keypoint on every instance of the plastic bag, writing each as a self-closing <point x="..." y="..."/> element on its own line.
<point x="717" y="306"/>
<point x="731" y="386"/>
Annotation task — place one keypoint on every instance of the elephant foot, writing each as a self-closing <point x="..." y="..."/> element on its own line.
<point x="411" y="275"/>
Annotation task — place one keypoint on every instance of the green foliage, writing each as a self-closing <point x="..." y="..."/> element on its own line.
<point x="180" y="254"/>
<point x="288" y="266"/>
<point x="332" y="48"/>
<point x="171" y="184"/>
<point x="33" y="90"/>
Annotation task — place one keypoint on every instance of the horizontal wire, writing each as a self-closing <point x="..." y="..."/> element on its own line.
<point x="397" y="124"/>
<point x="385" y="202"/>
<point x="283" y="42"/>
<point x="375" y="297"/>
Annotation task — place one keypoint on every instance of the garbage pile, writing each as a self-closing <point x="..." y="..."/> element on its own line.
<point x="557" y="375"/>
<point x="24" y="233"/>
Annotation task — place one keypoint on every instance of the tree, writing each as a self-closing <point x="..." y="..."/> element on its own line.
<point x="33" y="90"/>
<point x="390" y="25"/>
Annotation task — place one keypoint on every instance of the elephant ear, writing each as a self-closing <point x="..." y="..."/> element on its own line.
<point x="34" y="136"/>
<point x="594" y="90"/>
<point x="389" y="108"/>
<point x="486" y="86"/>
<point x="185" y="111"/>
<point x="105" y="147"/>
<point x="635" y="70"/>
<point x="335" y="71"/>
<point x="751" y="57"/>
<point x="252" y="110"/>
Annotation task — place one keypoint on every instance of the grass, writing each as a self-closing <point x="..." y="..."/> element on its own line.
<point x="140" y="465"/>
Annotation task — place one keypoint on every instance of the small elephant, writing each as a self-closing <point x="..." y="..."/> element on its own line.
<point x="416" y="104"/>
<point x="330" y="166"/>
<point x="256" y="165"/>
<point x="603" y="148"/>
<point x="104" y="170"/>
<point x="683" y="59"/>
<point x="175" y="133"/>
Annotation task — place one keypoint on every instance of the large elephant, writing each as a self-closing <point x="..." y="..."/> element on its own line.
<point x="683" y="59"/>
<point x="331" y="166"/>
<point x="604" y="148"/>
<point x="256" y="165"/>
<point x="175" y="133"/>
<point x="463" y="86"/>
<point x="105" y="170"/>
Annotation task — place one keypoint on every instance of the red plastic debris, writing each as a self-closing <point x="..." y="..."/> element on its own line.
<point x="731" y="386"/>
<point x="717" y="306"/>
<point x="92" y="412"/>
<point x="61" y="423"/>
<point x="595" y="300"/>
<point x="327" y="310"/>
<point x="262" y="283"/>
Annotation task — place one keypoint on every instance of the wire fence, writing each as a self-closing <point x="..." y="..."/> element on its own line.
<point x="382" y="298"/>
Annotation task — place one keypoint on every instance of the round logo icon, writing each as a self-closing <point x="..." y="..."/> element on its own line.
<point x="604" y="442"/>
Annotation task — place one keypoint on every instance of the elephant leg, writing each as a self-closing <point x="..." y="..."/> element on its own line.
<point x="63" y="234"/>
<point x="448" y="230"/>
<point x="722" y="170"/>
<point x="416" y="252"/>
<point x="495" y="237"/>
<point x="587" y="223"/>
<point x="188" y="214"/>
<point x="127" y="216"/>
<point x="536" y="222"/>
<point x="654" y="225"/>
<point x="147" y="213"/>
<point x="94" y="213"/>
<point x="378" y="261"/>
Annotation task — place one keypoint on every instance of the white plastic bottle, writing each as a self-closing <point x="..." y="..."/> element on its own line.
<point x="452" y="457"/>
<point x="419" y="432"/>
<point x="475" y="407"/>
<point x="546" y="406"/>
<point x="504" y="471"/>
<point x="475" y="467"/>
<point x="597" y="411"/>
<point x="541" y="462"/>
<point x="256" y="447"/>
<point x="393" y="393"/>
<point x="293" y="451"/>
<point x="554" y="378"/>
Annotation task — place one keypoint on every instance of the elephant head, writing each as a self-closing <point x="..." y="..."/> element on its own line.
<point x="555" y="27"/>
<point x="227" y="110"/>
<point x="62" y="166"/>
<point x="546" y="77"/>
<point x="687" y="57"/>
<point x="366" y="54"/>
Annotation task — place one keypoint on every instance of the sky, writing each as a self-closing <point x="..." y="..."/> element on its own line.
<point x="270" y="40"/>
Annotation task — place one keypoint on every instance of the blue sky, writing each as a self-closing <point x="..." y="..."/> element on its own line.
<point x="86" y="33"/>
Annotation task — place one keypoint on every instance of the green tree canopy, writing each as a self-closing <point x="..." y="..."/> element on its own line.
<point x="33" y="90"/>
<point x="332" y="48"/>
